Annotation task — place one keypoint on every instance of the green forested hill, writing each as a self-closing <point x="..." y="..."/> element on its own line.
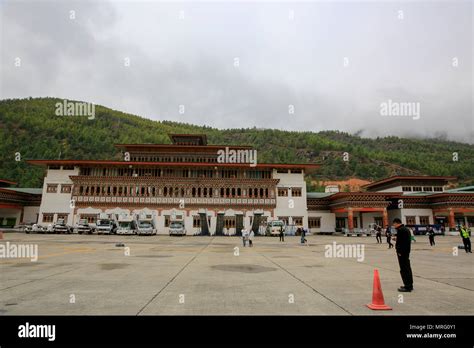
<point x="31" y="128"/>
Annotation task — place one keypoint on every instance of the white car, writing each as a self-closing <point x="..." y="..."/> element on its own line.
<point x="177" y="228"/>
<point x="83" y="227"/>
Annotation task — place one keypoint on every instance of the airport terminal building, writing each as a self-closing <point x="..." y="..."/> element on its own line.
<point x="215" y="192"/>
<point x="417" y="200"/>
<point x="209" y="186"/>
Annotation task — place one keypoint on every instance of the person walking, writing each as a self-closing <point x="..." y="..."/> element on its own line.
<point x="251" y="235"/>
<point x="282" y="234"/>
<point x="244" y="236"/>
<point x="466" y="240"/>
<point x="412" y="235"/>
<point x="388" y="233"/>
<point x="431" y="236"/>
<point x="403" y="248"/>
<point x="378" y="235"/>
<point x="303" y="235"/>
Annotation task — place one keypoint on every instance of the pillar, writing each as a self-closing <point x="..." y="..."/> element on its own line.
<point x="350" y="219"/>
<point x="385" y="218"/>
<point x="451" y="221"/>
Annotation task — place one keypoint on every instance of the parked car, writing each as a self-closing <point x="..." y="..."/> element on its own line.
<point x="26" y="226"/>
<point x="61" y="227"/>
<point x="34" y="228"/>
<point x="83" y="226"/>
<point x="177" y="228"/>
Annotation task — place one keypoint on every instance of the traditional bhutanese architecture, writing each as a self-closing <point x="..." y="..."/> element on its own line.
<point x="216" y="189"/>
<point x="416" y="200"/>
<point x="18" y="204"/>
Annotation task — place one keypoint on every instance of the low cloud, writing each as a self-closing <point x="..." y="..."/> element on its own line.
<point x="308" y="66"/>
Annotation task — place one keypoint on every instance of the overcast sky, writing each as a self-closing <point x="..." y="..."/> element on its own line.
<point x="335" y="63"/>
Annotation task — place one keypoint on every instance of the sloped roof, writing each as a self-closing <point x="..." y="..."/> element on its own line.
<point x="318" y="194"/>
<point x="32" y="191"/>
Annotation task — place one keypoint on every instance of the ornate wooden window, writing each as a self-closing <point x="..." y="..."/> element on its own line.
<point x="52" y="188"/>
<point x="296" y="191"/>
<point x="63" y="216"/>
<point x="66" y="188"/>
<point x="410" y="220"/>
<point x="91" y="218"/>
<point x="196" y="221"/>
<point x="340" y="222"/>
<point x="298" y="220"/>
<point x="314" y="222"/>
<point x="282" y="192"/>
<point x="424" y="220"/>
<point x="48" y="217"/>
<point x="229" y="221"/>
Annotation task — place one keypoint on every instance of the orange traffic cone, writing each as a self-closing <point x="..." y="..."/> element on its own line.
<point x="378" y="302"/>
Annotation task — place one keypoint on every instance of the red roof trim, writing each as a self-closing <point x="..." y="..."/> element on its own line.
<point x="415" y="177"/>
<point x="172" y="164"/>
<point x="364" y="193"/>
<point x="8" y="182"/>
<point x="183" y="146"/>
<point x="25" y="194"/>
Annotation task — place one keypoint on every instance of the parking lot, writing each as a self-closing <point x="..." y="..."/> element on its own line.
<point x="90" y="274"/>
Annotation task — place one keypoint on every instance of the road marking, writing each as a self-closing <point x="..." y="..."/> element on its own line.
<point x="71" y="251"/>
<point x="306" y="284"/>
<point x="175" y="276"/>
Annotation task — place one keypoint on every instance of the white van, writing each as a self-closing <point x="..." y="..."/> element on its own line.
<point x="127" y="225"/>
<point x="145" y="226"/>
<point x="274" y="227"/>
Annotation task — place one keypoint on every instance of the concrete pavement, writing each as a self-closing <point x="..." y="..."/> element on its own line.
<point x="88" y="274"/>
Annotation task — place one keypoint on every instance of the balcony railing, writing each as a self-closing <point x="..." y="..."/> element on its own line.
<point x="176" y="200"/>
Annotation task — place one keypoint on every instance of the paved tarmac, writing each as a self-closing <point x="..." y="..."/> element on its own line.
<point x="89" y="274"/>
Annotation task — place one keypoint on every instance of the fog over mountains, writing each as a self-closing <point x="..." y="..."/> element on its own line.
<point x="307" y="66"/>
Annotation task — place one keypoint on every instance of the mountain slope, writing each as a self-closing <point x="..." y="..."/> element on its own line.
<point x="31" y="128"/>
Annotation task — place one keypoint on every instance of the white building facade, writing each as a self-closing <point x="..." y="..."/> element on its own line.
<point x="183" y="180"/>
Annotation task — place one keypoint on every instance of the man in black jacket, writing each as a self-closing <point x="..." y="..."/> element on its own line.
<point x="403" y="247"/>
